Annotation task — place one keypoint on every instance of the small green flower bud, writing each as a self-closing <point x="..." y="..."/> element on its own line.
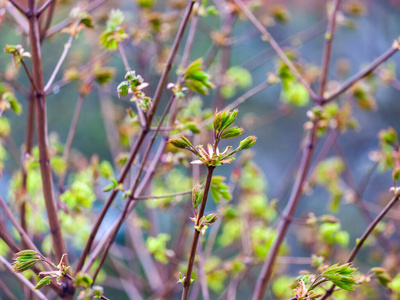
<point x="44" y="281"/>
<point x="229" y="118"/>
<point x="123" y="89"/>
<point x="130" y="75"/>
<point x="247" y="142"/>
<point x="197" y="195"/>
<point x="217" y="121"/>
<point x="181" y="142"/>
<point x="211" y="218"/>
<point x="232" y="133"/>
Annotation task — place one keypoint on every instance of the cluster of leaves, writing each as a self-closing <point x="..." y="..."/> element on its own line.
<point x="134" y="85"/>
<point x="293" y="92"/>
<point x="196" y="79"/>
<point x="114" y="33"/>
<point x="334" y="117"/>
<point x="388" y="154"/>
<point x="157" y="247"/>
<point x="235" y="77"/>
<point x="8" y="100"/>
<point x="328" y="174"/>
<point x="18" y="53"/>
<point x="222" y="130"/>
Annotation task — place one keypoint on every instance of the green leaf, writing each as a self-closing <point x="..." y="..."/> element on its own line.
<point x="342" y="276"/>
<point x="44" y="281"/>
<point x="382" y="276"/>
<point x="232" y="133"/>
<point x="296" y="94"/>
<point x="219" y="190"/>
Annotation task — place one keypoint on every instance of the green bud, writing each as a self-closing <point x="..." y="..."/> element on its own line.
<point x="181" y="142"/>
<point x="217" y="121"/>
<point x="247" y="142"/>
<point x="44" y="281"/>
<point x="25" y="264"/>
<point x="197" y="195"/>
<point x="232" y="133"/>
<point x="123" y="89"/>
<point x="396" y="174"/>
<point x="229" y="118"/>
<point x="130" y="75"/>
<point x="211" y="218"/>
<point x="389" y="136"/>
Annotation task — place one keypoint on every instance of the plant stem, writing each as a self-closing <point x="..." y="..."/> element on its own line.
<point x="133" y="189"/>
<point x="67" y="46"/>
<point x="364" y="237"/>
<point x="277" y="48"/>
<point x="29" y="133"/>
<point x="22" y="279"/>
<point x="44" y="7"/>
<point x="143" y="132"/>
<point x="42" y="137"/>
<point x="350" y="82"/>
<point x="186" y="284"/>
<point x="288" y="214"/>
<point x="326" y="57"/>
<point x="71" y="134"/>
<point x="18" y="6"/>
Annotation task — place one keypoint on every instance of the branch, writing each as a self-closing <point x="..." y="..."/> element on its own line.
<point x="364" y="237"/>
<point x="326" y="57"/>
<point x="42" y="137"/>
<point x="44" y="7"/>
<point x="289" y="211"/>
<point x="366" y="71"/>
<point x="24" y="236"/>
<point x="142" y="134"/>
<point x="164" y="76"/>
<point x="67" y="46"/>
<point x="71" y="134"/>
<point x="7" y="291"/>
<point x="56" y="28"/>
<point x="163" y="196"/>
<point x="18" y="6"/>
<point x="133" y="189"/>
<point x="267" y="36"/>
<point x="29" y="76"/>
<point x="186" y="284"/>
<point x="23" y="280"/>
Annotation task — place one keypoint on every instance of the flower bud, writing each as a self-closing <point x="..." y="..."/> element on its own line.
<point x="181" y="142"/>
<point x="232" y="133"/>
<point x="197" y="195"/>
<point x="247" y="142"/>
<point x="211" y="218"/>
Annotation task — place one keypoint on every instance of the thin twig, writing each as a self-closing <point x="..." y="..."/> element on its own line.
<point x="7" y="291"/>
<point x="44" y="7"/>
<point x="163" y="196"/>
<point x="18" y="6"/>
<point x="56" y="28"/>
<point x="22" y="279"/>
<point x="67" y="46"/>
<point x="24" y="236"/>
<point x="277" y="48"/>
<point x="289" y="211"/>
<point x="326" y="57"/>
<point x="364" y="237"/>
<point x="71" y="134"/>
<point x="367" y="70"/>
<point x="29" y="75"/>
<point x="192" y="255"/>
<point x="142" y="134"/>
